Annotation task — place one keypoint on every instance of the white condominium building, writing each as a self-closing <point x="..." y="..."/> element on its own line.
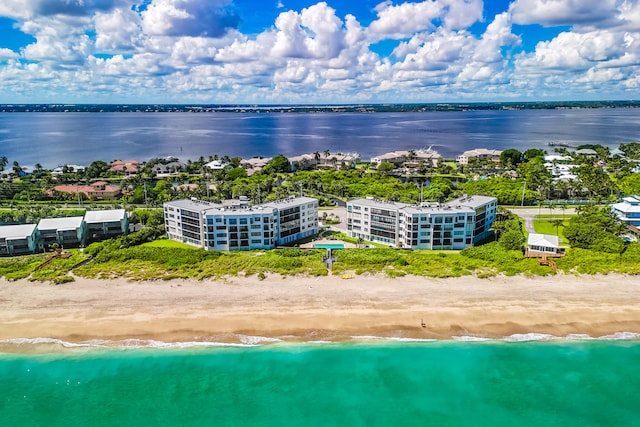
<point x="222" y="228"/>
<point x="454" y="225"/>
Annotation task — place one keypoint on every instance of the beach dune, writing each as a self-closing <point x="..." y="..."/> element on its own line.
<point x="327" y="308"/>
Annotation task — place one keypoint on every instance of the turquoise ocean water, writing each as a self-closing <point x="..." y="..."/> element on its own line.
<point x="574" y="383"/>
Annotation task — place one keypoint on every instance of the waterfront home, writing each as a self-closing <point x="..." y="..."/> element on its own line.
<point x="169" y="168"/>
<point x="323" y="160"/>
<point x="66" y="232"/>
<point x="254" y="164"/>
<point x="628" y="210"/>
<point x="482" y="154"/>
<point x="458" y="224"/>
<point x="95" y="191"/>
<point x="541" y="245"/>
<point x="216" y="165"/>
<point x="125" y="167"/>
<point x="67" y="168"/>
<point x="238" y="226"/>
<point x="18" y="239"/>
<point x="409" y="158"/>
<point x="100" y="225"/>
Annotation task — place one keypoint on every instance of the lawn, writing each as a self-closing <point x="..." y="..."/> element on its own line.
<point x="544" y="226"/>
<point x="166" y="243"/>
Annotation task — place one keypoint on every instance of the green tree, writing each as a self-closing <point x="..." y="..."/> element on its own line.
<point x="277" y="164"/>
<point x="595" y="180"/>
<point x="385" y="167"/>
<point x="512" y="240"/>
<point x="631" y="150"/>
<point x="96" y="169"/>
<point x="510" y="158"/>
<point x="533" y="153"/>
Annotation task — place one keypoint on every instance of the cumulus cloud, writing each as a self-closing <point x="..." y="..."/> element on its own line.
<point x="404" y="20"/>
<point x="26" y="9"/>
<point x="8" y="54"/>
<point x="190" y="50"/>
<point x="118" y="30"/>
<point x="212" y="18"/>
<point x="563" y="12"/>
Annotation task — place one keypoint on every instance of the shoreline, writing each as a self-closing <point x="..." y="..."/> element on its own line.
<point x="248" y="311"/>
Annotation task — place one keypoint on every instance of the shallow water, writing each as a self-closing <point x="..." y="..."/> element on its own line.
<point x="559" y="383"/>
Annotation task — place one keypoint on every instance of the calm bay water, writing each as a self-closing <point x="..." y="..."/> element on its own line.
<point x="591" y="383"/>
<point x="79" y="138"/>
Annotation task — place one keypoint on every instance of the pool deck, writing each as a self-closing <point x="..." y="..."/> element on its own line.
<point x="310" y="245"/>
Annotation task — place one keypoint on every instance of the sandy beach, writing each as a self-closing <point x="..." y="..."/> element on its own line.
<point x="327" y="308"/>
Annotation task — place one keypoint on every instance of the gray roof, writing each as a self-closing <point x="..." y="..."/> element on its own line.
<point x="12" y="232"/>
<point x="462" y="204"/>
<point x="62" y="224"/>
<point x="193" y="205"/>
<point x="287" y="203"/>
<point x="587" y="152"/>
<point x="113" y="215"/>
<point x="472" y="201"/>
<point x="545" y="240"/>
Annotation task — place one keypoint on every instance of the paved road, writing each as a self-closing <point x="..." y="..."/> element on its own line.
<point x="528" y="214"/>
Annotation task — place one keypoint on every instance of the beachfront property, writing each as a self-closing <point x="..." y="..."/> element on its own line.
<point x="543" y="245"/>
<point x="238" y="226"/>
<point x="409" y="158"/>
<point x="18" y="239"/>
<point x="101" y="225"/>
<point x="628" y="210"/>
<point x="457" y="224"/>
<point x="66" y="232"/>
<point x="481" y="154"/>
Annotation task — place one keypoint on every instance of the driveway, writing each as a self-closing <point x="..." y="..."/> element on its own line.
<point x="528" y="214"/>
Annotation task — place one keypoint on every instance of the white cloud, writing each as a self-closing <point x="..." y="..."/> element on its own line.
<point x="562" y="12"/>
<point x="404" y="20"/>
<point x="8" y="54"/>
<point x="211" y="18"/>
<point x="193" y="50"/>
<point x="118" y="30"/>
<point x="27" y="9"/>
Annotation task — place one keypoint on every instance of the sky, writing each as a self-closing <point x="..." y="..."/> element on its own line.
<point x="318" y="52"/>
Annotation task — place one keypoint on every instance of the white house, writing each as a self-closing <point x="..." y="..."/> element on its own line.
<point x="628" y="210"/>
<point x="544" y="243"/>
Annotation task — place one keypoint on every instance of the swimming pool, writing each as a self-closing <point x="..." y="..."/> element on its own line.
<point x="328" y="246"/>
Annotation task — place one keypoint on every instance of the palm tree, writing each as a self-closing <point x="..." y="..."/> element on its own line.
<point x="17" y="168"/>
<point x="557" y="223"/>
<point x="3" y="162"/>
<point x="326" y="153"/>
<point x="316" y="156"/>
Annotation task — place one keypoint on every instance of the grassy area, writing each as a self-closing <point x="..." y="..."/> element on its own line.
<point x="155" y="261"/>
<point x="483" y="261"/>
<point x="555" y="216"/>
<point x="151" y="263"/>
<point x="166" y="243"/>
<point x="543" y="226"/>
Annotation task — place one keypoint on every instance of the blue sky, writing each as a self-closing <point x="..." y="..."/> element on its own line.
<point x="333" y="51"/>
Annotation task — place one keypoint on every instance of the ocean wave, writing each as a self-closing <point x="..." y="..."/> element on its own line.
<point x="621" y="336"/>
<point x="238" y="340"/>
